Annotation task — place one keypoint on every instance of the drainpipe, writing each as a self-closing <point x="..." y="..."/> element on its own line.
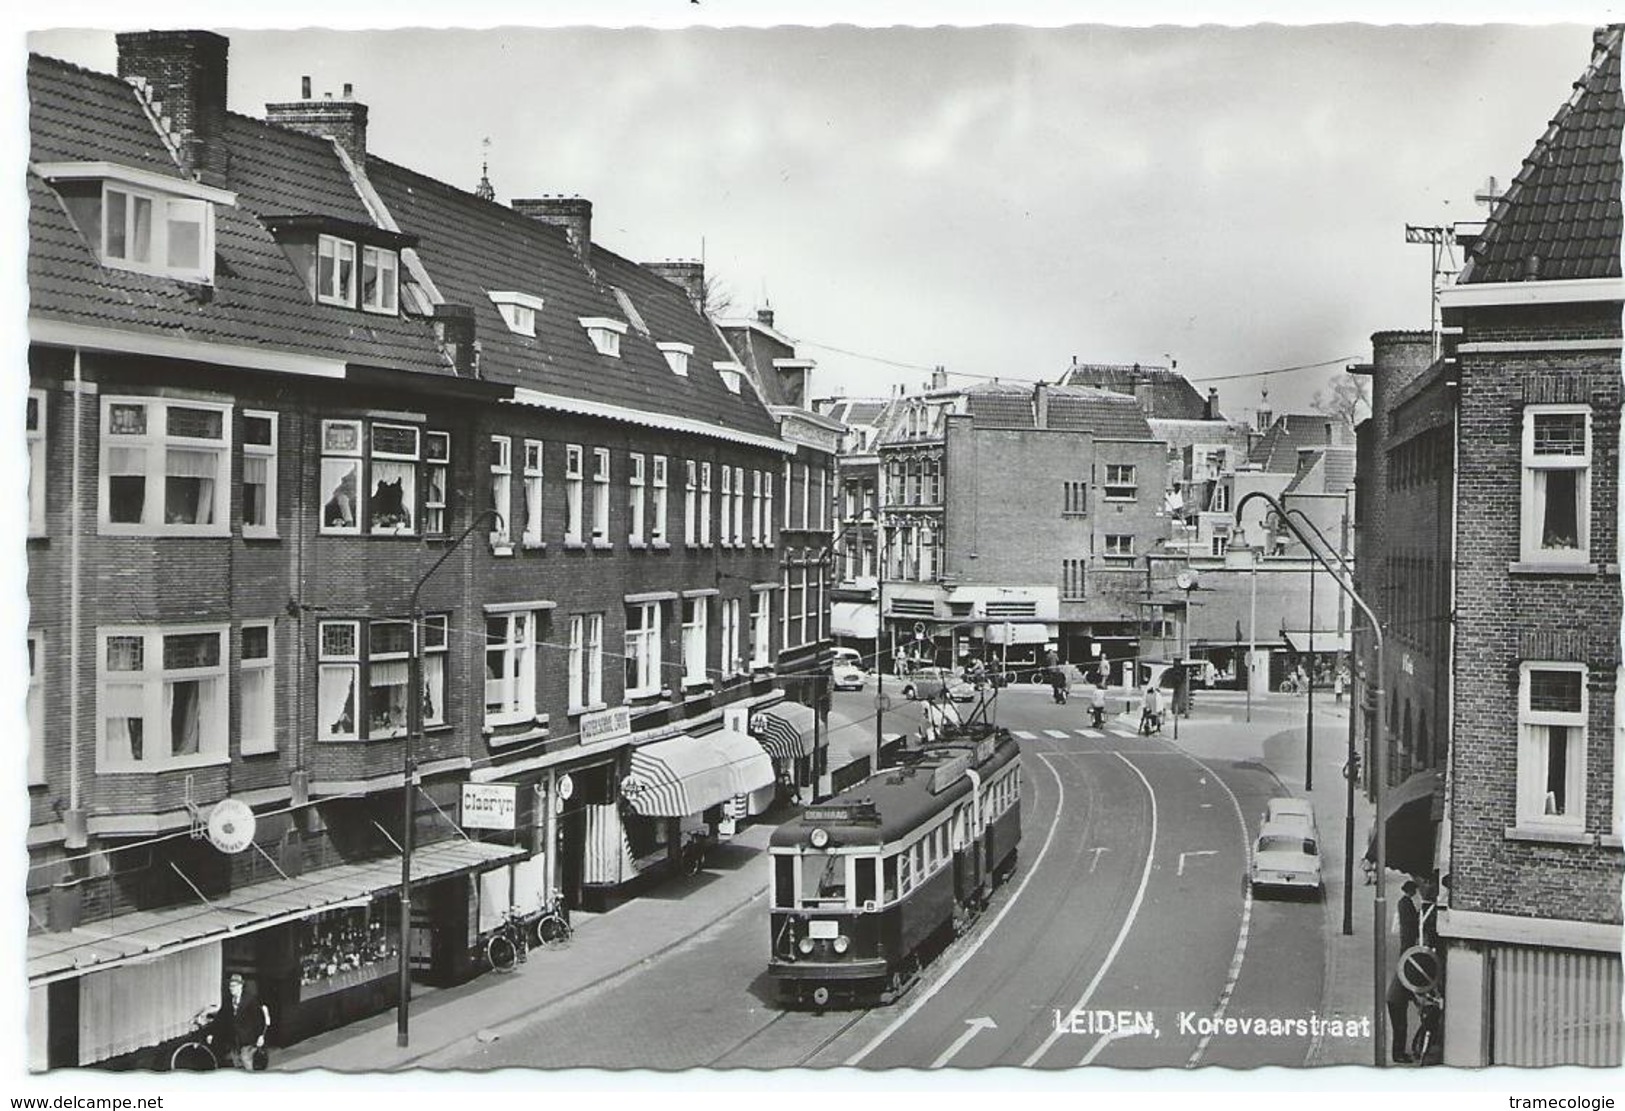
<point x="75" y="835"/>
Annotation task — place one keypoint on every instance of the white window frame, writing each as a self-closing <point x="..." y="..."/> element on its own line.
<point x="36" y="464"/>
<point x="163" y="207"/>
<point x="502" y="489"/>
<point x="705" y="505"/>
<point x="376" y="659"/>
<point x="677" y="356"/>
<point x="1119" y="554"/>
<point x="573" y="481"/>
<point x="756" y="509"/>
<point x="1125" y="483"/>
<point x="725" y="523"/>
<point x="731" y="661"/>
<point x="153" y="681"/>
<point x="1535" y="468"/>
<point x="605" y="333"/>
<point x="635" y="497"/>
<point x="516" y="653"/>
<point x="1533" y="738"/>
<point x="787" y="492"/>
<point x="339" y="664"/>
<point x="36" y="706"/>
<point x="657" y="529"/>
<point x="695" y="620"/>
<point x="690" y="494"/>
<point x="806" y="495"/>
<point x="643" y="650"/>
<point x="156" y="443"/>
<point x="387" y="291"/>
<point x="761" y="621"/>
<point x="408" y="464"/>
<point x="600" y="497"/>
<point x="823" y="499"/>
<point x="739" y="507"/>
<point x="256" y="724"/>
<point x="436" y="476"/>
<point x="433" y="651"/>
<point x="335" y="248"/>
<point x="767" y="509"/>
<point x="531" y="536"/>
<point x="267" y="453"/>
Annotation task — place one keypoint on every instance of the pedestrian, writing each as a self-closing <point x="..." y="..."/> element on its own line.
<point x="1097" y="704"/>
<point x="1337" y="686"/>
<point x="1151" y="710"/>
<point x="241" y="1026"/>
<point x="1399" y="996"/>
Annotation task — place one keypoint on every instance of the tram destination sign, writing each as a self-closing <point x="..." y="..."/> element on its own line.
<point x="845" y="813"/>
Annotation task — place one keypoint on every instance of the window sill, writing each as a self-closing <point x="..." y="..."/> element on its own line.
<point x="491" y="725"/>
<point x="166" y="766"/>
<point x="1550" y="836"/>
<point x="501" y="549"/>
<point x="575" y="545"/>
<point x="534" y="545"/>
<point x="272" y="535"/>
<point x="160" y="532"/>
<point x="589" y="708"/>
<point x="636" y="546"/>
<point x="660" y="545"/>
<point x="1540" y="567"/>
<point x="603" y="545"/>
<point x="696" y="684"/>
<point x="1610" y="841"/>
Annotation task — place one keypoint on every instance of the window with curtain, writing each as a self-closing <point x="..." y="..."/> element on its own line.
<point x="1552" y="726"/>
<point x="256" y="689"/>
<point x="657" y="530"/>
<point x="510" y="667"/>
<point x="642" y="649"/>
<point x="259" y="474"/>
<point x="164" y="467"/>
<point x="600" y="497"/>
<point x="163" y="698"/>
<point x="694" y="639"/>
<point x="1556" y="503"/>
<point x="690" y="491"/>
<point x="635" y="478"/>
<point x="533" y="494"/>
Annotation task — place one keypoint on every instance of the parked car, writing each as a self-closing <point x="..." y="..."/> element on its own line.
<point x="849" y="656"/>
<point x="1288" y="811"/>
<point x="928" y="682"/>
<point x="1285" y="858"/>
<point x="848" y="676"/>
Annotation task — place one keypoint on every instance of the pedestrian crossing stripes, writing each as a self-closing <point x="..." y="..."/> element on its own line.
<point x="1023" y="735"/>
<point x="1090" y="733"/>
<point x="1063" y="735"/>
<point x="1058" y="734"/>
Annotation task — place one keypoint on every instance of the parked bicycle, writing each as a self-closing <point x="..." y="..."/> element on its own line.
<point x="196" y="1054"/>
<point x="693" y="852"/>
<point x="551" y="929"/>
<point x="1426" y="1043"/>
<point x="508" y="945"/>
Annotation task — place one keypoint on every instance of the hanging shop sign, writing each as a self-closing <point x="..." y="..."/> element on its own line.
<point x="490" y="805"/>
<point x="606" y="725"/>
<point x="231" y="826"/>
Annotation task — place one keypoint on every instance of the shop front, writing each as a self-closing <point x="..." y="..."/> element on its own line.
<point x="319" y="949"/>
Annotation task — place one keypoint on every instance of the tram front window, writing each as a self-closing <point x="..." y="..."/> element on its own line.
<point x="823" y="879"/>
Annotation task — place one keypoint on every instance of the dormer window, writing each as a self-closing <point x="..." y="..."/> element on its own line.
<point x="733" y="375"/>
<point x="380" y="280"/>
<point x="605" y="333"/>
<point x="677" y="355"/>
<point x="518" y="310"/>
<point x="344" y="263"/>
<point x="335" y="271"/>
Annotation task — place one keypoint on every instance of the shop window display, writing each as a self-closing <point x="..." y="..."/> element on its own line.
<point x="344" y="948"/>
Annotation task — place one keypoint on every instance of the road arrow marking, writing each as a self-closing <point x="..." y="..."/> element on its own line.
<point x="975" y="1027"/>
<point x="1097" y="850"/>
<point x="1194" y="852"/>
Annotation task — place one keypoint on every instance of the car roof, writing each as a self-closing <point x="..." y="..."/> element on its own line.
<point x="1289" y="804"/>
<point x="1283" y="829"/>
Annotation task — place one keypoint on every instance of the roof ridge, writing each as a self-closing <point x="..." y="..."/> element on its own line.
<point x="1605" y="45"/>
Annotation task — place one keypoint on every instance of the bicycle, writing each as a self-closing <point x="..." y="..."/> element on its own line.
<point x="551" y="929"/>
<point x="693" y="853"/>
<point x="196" y="1054"/>
<point x="507" y="946"/>
<point x="1429" y="1030"/>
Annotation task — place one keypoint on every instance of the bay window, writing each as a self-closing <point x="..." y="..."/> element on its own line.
<point x="259" y="474"/>
<point x="572" y="493"/>
<point x="634" y="498"/>
<point x="1552" y="719"/>
<point x="164" y="467"/>
<point x="642" y="649"/>
<point x="1556" y="502"/>
<point x="657" y="530"/>
<point x="510" y="667"/>
<point x="369" y="473"/>
<point x="163" y="698"/>
<point x="694" y="640"/>
<point x="256" y="689"/>
<point x="368" y="680"/>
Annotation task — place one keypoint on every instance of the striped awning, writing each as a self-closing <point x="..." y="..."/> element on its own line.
<point x="786" y="731"/>
<point x="685" y="775"/>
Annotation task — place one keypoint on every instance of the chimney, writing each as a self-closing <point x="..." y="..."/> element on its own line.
<point x="183" y="76"/>
<point x="689" y="276"/>
<point x="1145" y="396"/>
<point x="573" y="214"/>
<point x="939" y="378"/>
<point x="344" y="121"/>
<point x="1213" y="403"/>
<point x="764" y="317"/>
<point x="454" y="328"/>
<point x="1041" y="405"/>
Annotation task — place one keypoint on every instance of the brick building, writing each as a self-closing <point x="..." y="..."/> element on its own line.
<point x="273" y="380"/>
<point x="1531" y="854"/>
<point x="853" y="619"/>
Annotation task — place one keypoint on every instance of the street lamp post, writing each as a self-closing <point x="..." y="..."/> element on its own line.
<point x="1309" y="711"/>
<point x="1379" y="910"/>
<point x="409" y="771"/>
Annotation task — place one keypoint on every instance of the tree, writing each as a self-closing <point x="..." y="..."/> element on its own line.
<point x="719" y="299"/>
<point x="1344" y="396"/>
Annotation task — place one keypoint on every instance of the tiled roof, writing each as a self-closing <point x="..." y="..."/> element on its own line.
<point x="257" y="299"/>
<point x="1278" y="450"/>
<point x="1307" y="462"/>
<point x="1338" y="472"/>
<point x="1169" y="395"/>
<point x="756" y="354"/>
<point x="472" y="247"/>
<point x="1109" y="415"/>
<point x="1000" y="405"/>
<point x="853" y="413"/>
<point x="1564" y="204"/>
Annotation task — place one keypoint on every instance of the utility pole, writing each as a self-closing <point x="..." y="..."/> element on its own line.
<point x="1442" y="240"/>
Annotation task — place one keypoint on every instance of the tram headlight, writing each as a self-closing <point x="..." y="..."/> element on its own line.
<point x="842" y="943"/>
<point x="819" y="838"/>
<point x="805" y="945"/>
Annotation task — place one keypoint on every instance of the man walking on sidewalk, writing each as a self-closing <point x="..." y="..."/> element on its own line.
<point x="1399" y="996"/>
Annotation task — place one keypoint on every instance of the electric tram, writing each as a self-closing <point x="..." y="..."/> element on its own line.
<point x="869" y="885"/>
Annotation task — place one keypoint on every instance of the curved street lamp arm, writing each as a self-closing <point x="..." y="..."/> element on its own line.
<point x="452" y="547"/>
<point x="1346" y="588"/>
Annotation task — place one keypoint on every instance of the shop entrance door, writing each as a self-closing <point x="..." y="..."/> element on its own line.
<point x="572" y="847"/>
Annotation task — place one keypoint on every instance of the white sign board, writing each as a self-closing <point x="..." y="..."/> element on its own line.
<point x="490" y="805"/>
<point x="606" y="725"/>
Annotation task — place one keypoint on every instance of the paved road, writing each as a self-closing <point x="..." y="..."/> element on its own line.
<point x="1128" y="910"/>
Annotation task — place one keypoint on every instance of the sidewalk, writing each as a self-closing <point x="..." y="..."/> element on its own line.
<point x="1276" y="739"/>
<point x="604" y="946"/>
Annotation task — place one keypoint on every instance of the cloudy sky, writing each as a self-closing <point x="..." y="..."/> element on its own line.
<point x="996" y="199"/>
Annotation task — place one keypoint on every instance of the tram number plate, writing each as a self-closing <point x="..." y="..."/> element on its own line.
<point x="828" y="928"/>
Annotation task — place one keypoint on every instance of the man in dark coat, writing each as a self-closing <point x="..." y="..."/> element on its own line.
<point x="242" y="1025"/>
<point x="1399" y="996"/>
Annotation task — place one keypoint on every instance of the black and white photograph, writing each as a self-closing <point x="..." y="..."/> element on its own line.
<point x="691" y="540"/>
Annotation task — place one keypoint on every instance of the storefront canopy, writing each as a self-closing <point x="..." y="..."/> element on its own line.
<point x="1321" y="640"/>
<point x="853" y="619"/>
<point x="785" y="731"/>
<point x="147" y="934"/>
<point x="685" y="775"/>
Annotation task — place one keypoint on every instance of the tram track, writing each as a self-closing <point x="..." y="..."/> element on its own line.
<point x="797" y="1022"/>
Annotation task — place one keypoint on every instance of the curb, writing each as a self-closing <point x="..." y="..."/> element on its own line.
<point x="520" y="1021"/>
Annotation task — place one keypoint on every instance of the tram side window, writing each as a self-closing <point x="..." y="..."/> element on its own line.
<point x="863" y="881"/>
<point x="905" y="873"/>
<point x="931" y="849"/>
<point x="823" y="879"/>
<point x="784" y="881"/>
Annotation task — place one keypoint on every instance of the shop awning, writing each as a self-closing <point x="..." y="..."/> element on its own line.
<point x="1411" y="811"/>
<point x="1028" y="633"/>
<point x="1321" y="640"/>
<point x="853" y="619"/>
<point x="785" y="731"/>
<point x="685" y="775"/>
<point x="148" y="934"/>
